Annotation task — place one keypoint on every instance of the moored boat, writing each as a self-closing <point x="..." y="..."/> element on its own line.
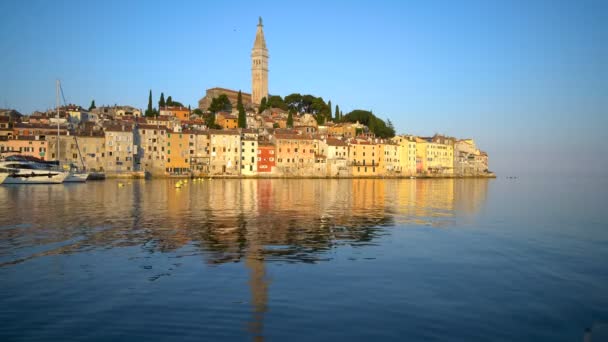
<point x="23" y="172"/>
<point x="77" y="177"/>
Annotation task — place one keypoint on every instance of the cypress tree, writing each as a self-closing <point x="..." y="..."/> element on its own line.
<point x="239" y="105"/>
<point x="329" y="106"/>
<point x="338" y="116"/>
<point x="149" y="110"/>
<point x="290" y="120"/>
<point x="169" y="101"/>
<point x="161" y="103"/>
<point x="263" y="105"/>
<point x="92" y="106"/>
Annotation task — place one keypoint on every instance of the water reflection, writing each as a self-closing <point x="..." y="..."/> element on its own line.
<point x="285" y="220"/>
<point x="225" y="221"/>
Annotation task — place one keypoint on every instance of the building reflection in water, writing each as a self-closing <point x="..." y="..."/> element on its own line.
<point x="255" y="221"/>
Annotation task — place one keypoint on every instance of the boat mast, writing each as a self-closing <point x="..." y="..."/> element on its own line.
<point x="57" y="102"/>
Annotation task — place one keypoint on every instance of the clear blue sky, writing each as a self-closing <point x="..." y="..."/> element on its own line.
<point x="527" y="79"/>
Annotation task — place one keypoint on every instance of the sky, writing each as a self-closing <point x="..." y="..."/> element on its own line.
<point x="528" y="80"/>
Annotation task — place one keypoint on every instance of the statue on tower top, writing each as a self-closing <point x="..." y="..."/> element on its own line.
<point x="260" y="22"/>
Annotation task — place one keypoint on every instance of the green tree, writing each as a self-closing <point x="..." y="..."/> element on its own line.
<point x="329" y="115"/>
<point x="210" y="121"/>
<point x="375" y="125"/>
<point x="294" y="102"/>
<point x="161" y="102"/>
<point x="337" y="113"/>
<point x="242" y="121"/>
<point x="276" y="101"/>
<point x="290" y="120"/>
<point x="169" y="101"/>
<point x="92" y="106"/>
<point x="389" y="124"/>
<point x="263" y="105"/>
<point x="219" y="104"/>
<point x="149" y="112"/>
<point x="320" y="119"/>
<point x="197" y="111"/>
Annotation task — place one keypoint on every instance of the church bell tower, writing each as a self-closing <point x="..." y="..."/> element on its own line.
<point x="259" y="66"/>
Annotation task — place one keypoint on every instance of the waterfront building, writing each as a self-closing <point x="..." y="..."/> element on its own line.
<point x="249" y="152"/>
<point x="436" y="155"/>
<point x="337" y="157"/>
<point x="152" y="143"/>
<point x="259" y="66"/>
<point x="119" y="148"/>
<point x="86" y="148"/>
<point x="407" y="154"/>
<point x="364" y="156"/>
<point x="180" y="145"/>
<point x="225" y="153"/>
<point x="200" y="161"/>
<point x="266" y="157"/>
<point x="89" y="148"/>
<point x="468" y="159"/>
<point x="295" y="154"/>
<point x="29" y="145"/>
<point x="391" y="165"/>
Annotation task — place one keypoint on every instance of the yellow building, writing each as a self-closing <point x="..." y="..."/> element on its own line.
<point x="391" y="164"/>
<point x="435" y="157"/>
<point x="365" y="157"/>
<point x="407" y="154"/>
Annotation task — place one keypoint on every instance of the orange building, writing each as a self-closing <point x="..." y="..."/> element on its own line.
<point x="266" y="157"/>
<point x="226" y="121"/>
<point x="25" y="145"/>
<point x="181" y="113"/>
<point x="295" y="151"/>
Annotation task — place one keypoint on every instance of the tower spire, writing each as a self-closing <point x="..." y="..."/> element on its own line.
<point x="259" y="66"/>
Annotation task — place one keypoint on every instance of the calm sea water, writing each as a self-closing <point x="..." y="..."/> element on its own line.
<point x="309" y="260"/>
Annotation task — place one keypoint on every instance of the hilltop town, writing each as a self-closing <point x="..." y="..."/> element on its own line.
<point x="236" y="134"/>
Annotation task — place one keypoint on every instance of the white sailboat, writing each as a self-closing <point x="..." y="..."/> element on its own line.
<point x="74" y="175"/>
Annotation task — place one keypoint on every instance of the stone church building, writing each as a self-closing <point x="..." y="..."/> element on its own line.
<point x="259" y="77"/>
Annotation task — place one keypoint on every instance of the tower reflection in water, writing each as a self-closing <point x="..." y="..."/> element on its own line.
<point x="255" y="221"/>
